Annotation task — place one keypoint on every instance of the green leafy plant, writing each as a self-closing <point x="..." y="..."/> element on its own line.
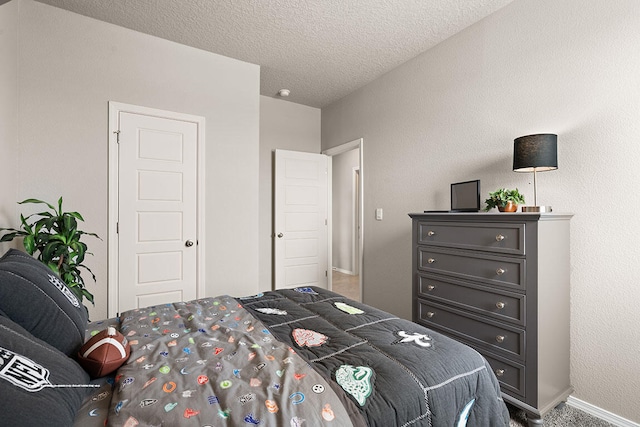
<point x="501" y="197"/>
<point x="54" y="235"/>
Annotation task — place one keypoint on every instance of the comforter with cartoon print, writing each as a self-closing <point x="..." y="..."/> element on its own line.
<point x="300" y="357"/>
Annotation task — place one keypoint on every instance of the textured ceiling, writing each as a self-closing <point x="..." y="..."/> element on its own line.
<point x="319" y="49"/>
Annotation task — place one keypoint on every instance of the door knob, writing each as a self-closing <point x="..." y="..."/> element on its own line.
<point x="280" y="235"/>
<point x="188" y="243"/>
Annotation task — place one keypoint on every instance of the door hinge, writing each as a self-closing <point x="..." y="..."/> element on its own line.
<point x="326" y="273"/>
<point x="117" y="228"/>
<point x="117" y="132"/>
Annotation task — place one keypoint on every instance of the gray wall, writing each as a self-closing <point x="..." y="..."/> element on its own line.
<point x="287" y="126"/>
<point x="70" y="66"/>
<point x="569" y="67"/>
<point x="8" y="112"/>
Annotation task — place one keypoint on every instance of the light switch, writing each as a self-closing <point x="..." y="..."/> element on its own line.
<point x="379" y="214"/>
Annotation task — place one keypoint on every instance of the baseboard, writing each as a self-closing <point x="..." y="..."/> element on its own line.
<point x="600" y="413"/>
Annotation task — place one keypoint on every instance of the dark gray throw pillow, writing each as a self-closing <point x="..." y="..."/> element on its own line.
<point x="39" y="385"/>
<point x="34" y="297"/>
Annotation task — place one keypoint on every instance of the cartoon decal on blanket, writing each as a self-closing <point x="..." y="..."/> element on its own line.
<point x="355" y="380"/>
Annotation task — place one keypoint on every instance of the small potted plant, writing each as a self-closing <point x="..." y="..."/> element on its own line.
<point x="505" y="200"/>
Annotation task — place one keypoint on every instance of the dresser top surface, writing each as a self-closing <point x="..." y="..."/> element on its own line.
<point x="492" y="216"/>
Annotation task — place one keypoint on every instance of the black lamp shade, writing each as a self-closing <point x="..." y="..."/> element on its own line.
<point x="533" y="153"/>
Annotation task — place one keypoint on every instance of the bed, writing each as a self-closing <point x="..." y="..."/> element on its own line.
<point x="297" y="357"/>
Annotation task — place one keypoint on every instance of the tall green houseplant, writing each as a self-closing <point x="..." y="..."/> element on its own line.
<point x="54" y="235"/>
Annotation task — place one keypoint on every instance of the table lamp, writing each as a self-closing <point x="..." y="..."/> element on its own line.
<point x="535" y="153"/>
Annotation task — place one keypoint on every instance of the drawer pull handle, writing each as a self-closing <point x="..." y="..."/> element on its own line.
<point x="500" y="305"/>
<point x="431" y="233"/>
<point x="431" y="260"/>
<point x="430" y="314"/>
<point x="431" y="287"/>
<point x="499" y="238"/>
<point x="500" y="271"/>
<point x="499" y="372"/>
<point x="500" y="338"/>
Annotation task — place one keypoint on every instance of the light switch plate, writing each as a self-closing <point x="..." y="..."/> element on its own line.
<point x="379" y="214"/>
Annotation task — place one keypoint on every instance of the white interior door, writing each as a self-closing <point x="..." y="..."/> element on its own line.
<point x="157" y="213"/>
<point x="301" y="250"/>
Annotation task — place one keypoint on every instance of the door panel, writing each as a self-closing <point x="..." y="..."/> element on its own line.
<point x="300" y="219"/>
<point x="158" y="298"/>
<point x="156" y="185"/>
<point x="157" y="210"/>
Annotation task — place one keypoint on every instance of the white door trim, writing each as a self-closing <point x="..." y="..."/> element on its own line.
<point x="355" y="219"/>
<point x="356" y="143"/>
<point x="115" y="108"/>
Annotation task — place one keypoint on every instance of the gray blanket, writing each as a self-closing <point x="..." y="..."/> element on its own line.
<point x="304" y="357"/>
<point x="397" y="373"/>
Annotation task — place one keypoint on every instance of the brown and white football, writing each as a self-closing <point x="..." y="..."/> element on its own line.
<point x="105" y="352"/>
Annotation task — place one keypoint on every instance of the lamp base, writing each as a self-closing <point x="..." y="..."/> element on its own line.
<point x="540" y="209"/>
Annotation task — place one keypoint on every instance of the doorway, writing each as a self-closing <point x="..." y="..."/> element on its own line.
<point x="347" y="219"/>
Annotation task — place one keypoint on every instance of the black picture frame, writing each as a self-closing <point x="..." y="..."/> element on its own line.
<point x="465" y="196"/>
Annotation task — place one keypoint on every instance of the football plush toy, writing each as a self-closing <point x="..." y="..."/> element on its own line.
<point x="105" y="352"/>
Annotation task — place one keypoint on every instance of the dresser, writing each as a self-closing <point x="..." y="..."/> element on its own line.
<point x="500" y="283"/>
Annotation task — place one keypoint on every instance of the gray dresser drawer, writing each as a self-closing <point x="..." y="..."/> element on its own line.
<point x="491" y="237"/>
<point x="500" y="305"/>
<point x="510" y="375"/>
<point x="494" y="270"/>
<point x="500" y="339"/>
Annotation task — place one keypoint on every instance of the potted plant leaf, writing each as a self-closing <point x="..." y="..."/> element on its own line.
<point x="55" y="236"/>
<point x="505" y="200"/>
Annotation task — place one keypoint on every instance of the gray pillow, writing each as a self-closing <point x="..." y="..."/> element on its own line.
<point x="39" y="385"/>
<point x="34" y="297"/>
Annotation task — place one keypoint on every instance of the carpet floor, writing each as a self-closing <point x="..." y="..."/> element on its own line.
<point x="562" y="416"/>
